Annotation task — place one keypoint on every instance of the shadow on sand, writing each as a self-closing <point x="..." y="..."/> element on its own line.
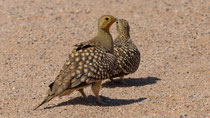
<point x="129" y="82"/>
<point x="91" y="101"/>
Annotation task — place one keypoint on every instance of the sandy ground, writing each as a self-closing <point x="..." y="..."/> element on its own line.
<point x="173" y="37"/>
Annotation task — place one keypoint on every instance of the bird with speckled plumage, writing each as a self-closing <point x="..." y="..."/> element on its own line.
<point x="89" y="63"/>
<point x="125" y="50"/>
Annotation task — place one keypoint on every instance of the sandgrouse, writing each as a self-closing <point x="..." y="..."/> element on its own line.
<point x="125" y="50"/>
<point x="89" y="63"/>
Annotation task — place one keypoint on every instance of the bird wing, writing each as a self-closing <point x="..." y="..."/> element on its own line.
<point x="87" y="64"/>
<point x="128" y="56"/>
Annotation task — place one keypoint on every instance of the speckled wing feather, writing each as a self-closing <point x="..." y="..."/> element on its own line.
<point x="128" y="56"/>
<point x="86" y="64"/>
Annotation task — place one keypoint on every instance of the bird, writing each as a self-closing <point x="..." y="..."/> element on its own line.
<point x="88" y="64"/>
<point x="125" y="51"/>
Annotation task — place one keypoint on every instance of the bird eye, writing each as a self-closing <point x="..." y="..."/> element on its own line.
<point x="117" y="22"/>
<point x="107" y="19"/>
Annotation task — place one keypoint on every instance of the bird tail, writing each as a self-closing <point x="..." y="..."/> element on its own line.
<point x="47" y="99"/>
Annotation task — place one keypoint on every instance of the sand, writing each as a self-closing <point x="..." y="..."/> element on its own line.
<point x="173" y="79"/>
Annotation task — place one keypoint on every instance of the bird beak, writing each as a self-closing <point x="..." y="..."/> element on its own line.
<point x="113" y="19"/>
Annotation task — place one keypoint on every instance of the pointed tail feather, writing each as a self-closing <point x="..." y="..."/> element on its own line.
<point x="47" y="99"/>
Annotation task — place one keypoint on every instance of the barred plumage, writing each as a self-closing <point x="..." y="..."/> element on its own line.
<point x="125" y="50"/>
<point x="89" y="63"/>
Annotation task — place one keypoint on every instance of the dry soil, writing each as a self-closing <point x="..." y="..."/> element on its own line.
<point x="173" y="37"/>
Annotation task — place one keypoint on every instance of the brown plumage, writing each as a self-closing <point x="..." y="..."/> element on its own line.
<point x="125" y="50"/>
<point x="89" y="63"/>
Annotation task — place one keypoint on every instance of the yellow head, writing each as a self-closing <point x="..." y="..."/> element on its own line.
<point x="105" y="22"/>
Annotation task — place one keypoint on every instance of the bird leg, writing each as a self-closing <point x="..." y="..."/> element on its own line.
<point x="112" y="80"/>
<point x="96" y="88"/>
<point x="83" y="93"/>
<point x="122" y="80"/>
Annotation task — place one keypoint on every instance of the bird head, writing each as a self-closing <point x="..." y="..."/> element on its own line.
<point x="122" y="26"/>
<point x="105" y="22"/>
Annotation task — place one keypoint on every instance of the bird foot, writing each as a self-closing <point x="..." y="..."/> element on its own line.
<point x="123" y="81"/>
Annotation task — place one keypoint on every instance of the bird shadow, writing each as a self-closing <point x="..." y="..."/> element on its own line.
<point x="91" y="101"/>
<point x="129" y="82"/>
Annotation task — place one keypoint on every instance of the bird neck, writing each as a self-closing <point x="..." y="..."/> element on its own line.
<point x="123" y="35"/>
<point x="104" y="39"/>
